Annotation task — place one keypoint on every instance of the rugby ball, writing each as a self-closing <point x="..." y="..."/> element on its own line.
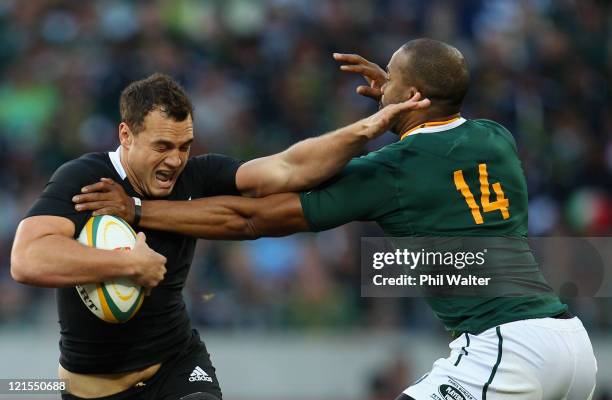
<point x="118" y="300"/>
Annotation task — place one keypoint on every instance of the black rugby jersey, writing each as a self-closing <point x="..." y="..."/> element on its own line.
<point x="161" y="328"/>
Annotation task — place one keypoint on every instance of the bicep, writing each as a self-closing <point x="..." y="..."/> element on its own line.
<point x="259" y="177"/>
<point x="38" y="227"/>
<point x="278" y="215"/>
<point x="275" y="215"/>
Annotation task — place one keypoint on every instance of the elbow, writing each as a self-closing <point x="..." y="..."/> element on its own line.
<point x="26" y="276"/>
<point x="251" y="230"/>
<point x="19" y="271"/>
<point x="254" y="193"/>
<point x="246" y="230"/>
<point x="241" y="228"/>
<point x="22" y="271"/>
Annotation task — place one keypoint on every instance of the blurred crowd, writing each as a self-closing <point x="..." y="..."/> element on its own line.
<point x="261" y="76"/>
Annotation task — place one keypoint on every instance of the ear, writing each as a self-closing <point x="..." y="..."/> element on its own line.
<point x="410" y="91"/>
<point x="126" y="137"/>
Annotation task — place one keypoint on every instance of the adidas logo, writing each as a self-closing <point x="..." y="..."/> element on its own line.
<point x="198" y="374"/>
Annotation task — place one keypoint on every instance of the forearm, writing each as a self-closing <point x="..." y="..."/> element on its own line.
<point x="306" y="164"/>
<point x="314" y="160"/>
<point x="209" y="218"/>
<point x="226" y="217"/>
<point x="58" y="261"/>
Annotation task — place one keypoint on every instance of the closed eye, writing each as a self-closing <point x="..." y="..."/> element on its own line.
<point x="164" y="145"/>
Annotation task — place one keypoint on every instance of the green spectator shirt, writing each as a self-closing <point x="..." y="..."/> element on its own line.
<point x="455" y="178"/>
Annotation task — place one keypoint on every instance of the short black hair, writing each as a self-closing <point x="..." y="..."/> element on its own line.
<point x="438" y="70"/>
<point x="156" y="92"/>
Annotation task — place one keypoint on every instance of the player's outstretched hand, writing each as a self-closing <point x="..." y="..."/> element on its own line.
<point x="372" y="73"/>
<point x="148" y="266"/>
<point x="106" y="198"/>
<point x="384" y="119"/>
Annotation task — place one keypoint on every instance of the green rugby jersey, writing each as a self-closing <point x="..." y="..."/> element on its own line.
<point x="462" y="178"/>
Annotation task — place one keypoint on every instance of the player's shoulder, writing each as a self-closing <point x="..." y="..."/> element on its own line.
<point x="93" y="160"/>
<point x="491" y="127"/>
<point x="210" y="160"/>
<point x="383" y="158"/>
<point x="402" y="151"/>
<point x="482" y="123"/>
<point x="212" y="173"/>
<point x="86" y="165"/>
<point x="472" y="135"/>
<point x="211" y="164"/>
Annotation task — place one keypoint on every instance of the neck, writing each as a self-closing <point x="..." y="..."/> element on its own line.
<point x="412" y="120"/>
<point x="129" y="173"/>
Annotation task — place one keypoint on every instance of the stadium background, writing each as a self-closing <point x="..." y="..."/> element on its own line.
<point x="286" y="315"/>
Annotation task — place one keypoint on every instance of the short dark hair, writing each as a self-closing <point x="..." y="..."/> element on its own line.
<point x="439" y="71"/>
<point x="156" y="92"/>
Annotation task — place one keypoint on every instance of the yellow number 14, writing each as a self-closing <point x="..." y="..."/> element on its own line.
<point x="501" y="203"/>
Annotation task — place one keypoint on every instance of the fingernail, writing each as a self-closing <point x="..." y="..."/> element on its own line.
<point x="84" y="190"/>
<point x="75" y="198"/>
<point x="78" y="207"/>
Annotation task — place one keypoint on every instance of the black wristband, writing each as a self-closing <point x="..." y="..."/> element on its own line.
<point x="137" y="211"/>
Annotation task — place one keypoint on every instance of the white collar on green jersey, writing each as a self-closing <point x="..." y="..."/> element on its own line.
<point x="426" y="128"/>
<point x="115" y="157"/>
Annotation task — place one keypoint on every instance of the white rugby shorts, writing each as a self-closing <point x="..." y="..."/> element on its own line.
<point x="533" y="359"/>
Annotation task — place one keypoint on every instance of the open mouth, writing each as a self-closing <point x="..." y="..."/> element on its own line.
<point x="164" y="179"/>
